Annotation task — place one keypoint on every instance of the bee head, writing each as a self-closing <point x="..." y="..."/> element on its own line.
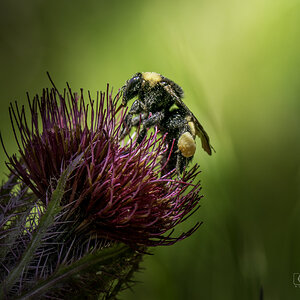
<point x="132" y="88"/>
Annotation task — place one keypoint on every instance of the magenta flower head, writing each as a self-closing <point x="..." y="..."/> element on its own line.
<point x="119" y="192"/>
<point x="80" y="208"/>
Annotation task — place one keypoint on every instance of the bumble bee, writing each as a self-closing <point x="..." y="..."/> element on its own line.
<point x="155" y="107"/>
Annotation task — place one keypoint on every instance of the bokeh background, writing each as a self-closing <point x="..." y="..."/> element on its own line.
<point x="238" y="62"/>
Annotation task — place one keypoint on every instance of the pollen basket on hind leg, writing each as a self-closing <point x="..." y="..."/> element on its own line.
<point x="187" y="145"/>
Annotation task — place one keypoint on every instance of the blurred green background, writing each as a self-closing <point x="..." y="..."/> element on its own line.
<point x="238" y="62"/>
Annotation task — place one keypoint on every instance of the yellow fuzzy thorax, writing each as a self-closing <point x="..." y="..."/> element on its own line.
<point x="152" y="78"/>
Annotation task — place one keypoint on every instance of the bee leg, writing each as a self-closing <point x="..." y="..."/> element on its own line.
<point x="180" y="163"/>
<point x="138" y="119"/>
<point x="136" y="108"/>
<point x="154" y="119"/>
<point x="170" y="157"/>
<point x="142" y="134"/>
<point x="147" y="123"/>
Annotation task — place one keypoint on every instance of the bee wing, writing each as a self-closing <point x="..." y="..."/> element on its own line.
<point x="200" y="132"/>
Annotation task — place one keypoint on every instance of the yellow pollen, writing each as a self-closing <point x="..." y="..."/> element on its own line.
<point x="187" y="145"/>
<point x="192" y="127"/>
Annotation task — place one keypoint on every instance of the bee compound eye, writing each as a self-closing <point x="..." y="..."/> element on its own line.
<point x="186" y="144"/>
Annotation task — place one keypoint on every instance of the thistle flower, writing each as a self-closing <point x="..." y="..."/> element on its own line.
<point x="76" y="190"/>
<point x="117" y="192"/>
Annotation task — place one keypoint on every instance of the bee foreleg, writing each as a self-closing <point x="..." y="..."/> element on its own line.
<point x="136" y="108"/>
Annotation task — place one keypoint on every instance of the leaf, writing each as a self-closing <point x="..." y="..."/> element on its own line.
<point x="91" y="261"/>
<point x="46" y="220"/>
